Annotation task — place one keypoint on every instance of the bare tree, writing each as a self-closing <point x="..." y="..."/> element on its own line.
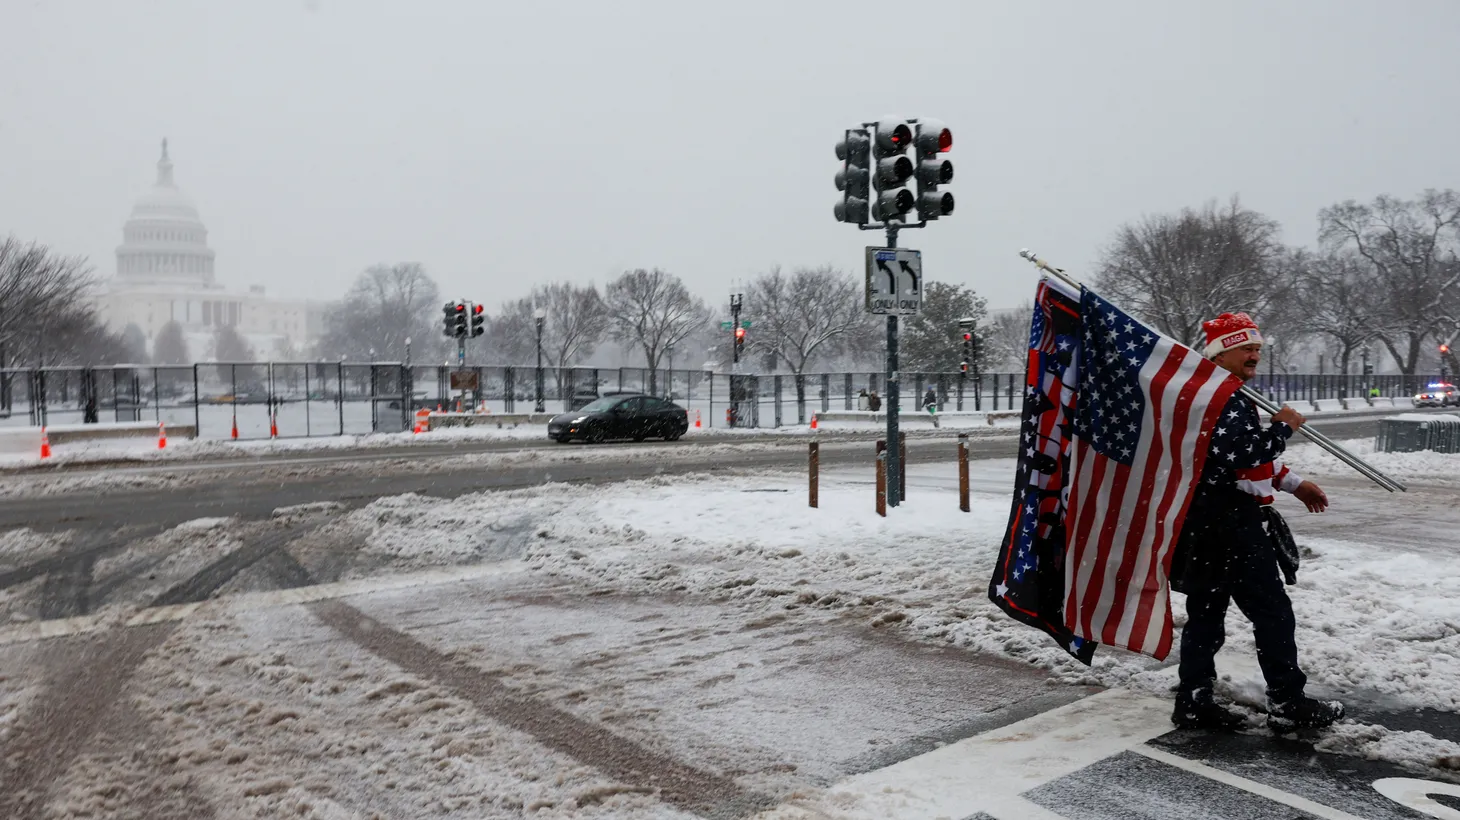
<point x="1005" y="339"/>
<point x="803" y="317"/>
<point x="170" y="346"/>
<point x="1412" y="246"/>
<point x="45" y="317"/>
<point x="575" y="322"/>
<point x="654" y="310"/>
<point x="387" y="305"/>
<point x="1332" y="299"/>
<point x="230" y="346"/>
<point x="1176" y="271"/>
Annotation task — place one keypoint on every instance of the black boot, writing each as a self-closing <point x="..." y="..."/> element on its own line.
<point x="1302" y="712"/>
<point x="1197" y="710"/>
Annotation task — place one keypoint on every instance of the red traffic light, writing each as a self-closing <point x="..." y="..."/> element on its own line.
<point x="739" y="333"/>
<point x="460" y="308"/>
<point x="892" y="137"/>
<point x="477" y="309"/>
<point x="968" y="337"/>
<point x="1444" y="348"/>
<point x="945" y="140"/>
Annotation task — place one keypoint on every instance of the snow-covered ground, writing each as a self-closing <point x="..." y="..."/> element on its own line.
<point x="688" y="615"/>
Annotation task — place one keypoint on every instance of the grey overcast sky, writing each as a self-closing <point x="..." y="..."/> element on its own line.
<point x="508" y="143"/>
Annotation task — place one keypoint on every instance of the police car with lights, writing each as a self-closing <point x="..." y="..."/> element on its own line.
<point x="1438" y="394"/>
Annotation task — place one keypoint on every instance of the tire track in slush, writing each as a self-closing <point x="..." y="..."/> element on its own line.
<point x="66" y="591"/>
<point x="676" y="783"/>
<point x="86" y="677"/>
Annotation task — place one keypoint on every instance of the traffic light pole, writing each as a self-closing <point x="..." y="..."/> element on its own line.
<point x="873" y="177"/>
<point x="735" y="333"/>
<point x="894" y="453"/>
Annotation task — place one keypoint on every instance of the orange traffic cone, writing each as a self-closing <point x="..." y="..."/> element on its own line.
<point x="813" y="421"/>
<point x="697" y="420"/>
<point x="235" y="426"/>
<point x="273" y="425"/>
<point x="161" y="436"/>
<point x="45" y="443"/>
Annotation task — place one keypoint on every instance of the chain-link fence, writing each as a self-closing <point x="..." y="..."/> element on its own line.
<point x="297" y="399"/>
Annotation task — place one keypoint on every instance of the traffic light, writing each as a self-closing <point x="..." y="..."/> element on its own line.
<point x="963" y="368"/>
<point x="477" y="321"/>
<point x="1444" y="349"/>
<point x="854" y="178"/>
<point x="448" y="318"/>
<point x="934" y="169"/>
<point x="891" y="139"/>
<point x="456" y="323"/>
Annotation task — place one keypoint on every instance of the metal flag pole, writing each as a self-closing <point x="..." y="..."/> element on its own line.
<point x="1368" y="471"/>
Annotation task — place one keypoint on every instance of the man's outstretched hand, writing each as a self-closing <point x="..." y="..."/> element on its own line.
<point x="1312" y="497"/>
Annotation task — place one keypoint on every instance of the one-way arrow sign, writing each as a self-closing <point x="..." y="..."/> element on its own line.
<point x="894" y="281"/>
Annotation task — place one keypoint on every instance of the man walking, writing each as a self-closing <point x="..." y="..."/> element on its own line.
<point x="930" y="403"/>
<point x="1226" y="553"/>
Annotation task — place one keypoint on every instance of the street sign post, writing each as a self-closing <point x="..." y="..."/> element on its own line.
<point x="894" y="281"/>
<point x="728" y="325"/>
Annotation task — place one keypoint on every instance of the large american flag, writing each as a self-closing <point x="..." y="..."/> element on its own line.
<point x="1117" y="419"/>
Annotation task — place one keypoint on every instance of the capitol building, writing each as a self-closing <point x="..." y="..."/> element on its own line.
<point x="165" y="272"/>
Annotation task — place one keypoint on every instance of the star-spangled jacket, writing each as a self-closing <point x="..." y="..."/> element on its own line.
<point x="1246" y="458"/>
<point x="1226" y="518"/>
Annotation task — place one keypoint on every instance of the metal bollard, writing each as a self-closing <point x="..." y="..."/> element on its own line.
<point x="963" y="471"/>
<point x="813" y="469"/>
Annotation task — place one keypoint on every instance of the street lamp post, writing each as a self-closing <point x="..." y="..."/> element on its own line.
<point x="408" y="351"/>
<point x="669" y="389"/>
<point x="540" y="316"/>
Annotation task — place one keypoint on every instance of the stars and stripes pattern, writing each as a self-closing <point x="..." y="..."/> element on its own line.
<point x="1143" y="423"/>
<point x="1028" y="580"/>
<point x="1115" y="430"/>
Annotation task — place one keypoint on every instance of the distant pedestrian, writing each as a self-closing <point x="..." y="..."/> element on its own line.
<point x="874" y="401"/>
<point x="863" y="403"/>
<point x="930" y="403"/>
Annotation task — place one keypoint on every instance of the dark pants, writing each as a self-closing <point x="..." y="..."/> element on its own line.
<point x="1243" y="568"/>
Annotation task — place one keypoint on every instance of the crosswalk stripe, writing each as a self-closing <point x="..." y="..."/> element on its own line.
<point x="1251" y="786"/>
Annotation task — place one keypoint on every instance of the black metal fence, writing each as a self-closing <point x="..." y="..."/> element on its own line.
<point x="296" y="399"/>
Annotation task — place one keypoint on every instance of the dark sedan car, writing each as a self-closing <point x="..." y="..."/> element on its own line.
<point x="623" y="416"/>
